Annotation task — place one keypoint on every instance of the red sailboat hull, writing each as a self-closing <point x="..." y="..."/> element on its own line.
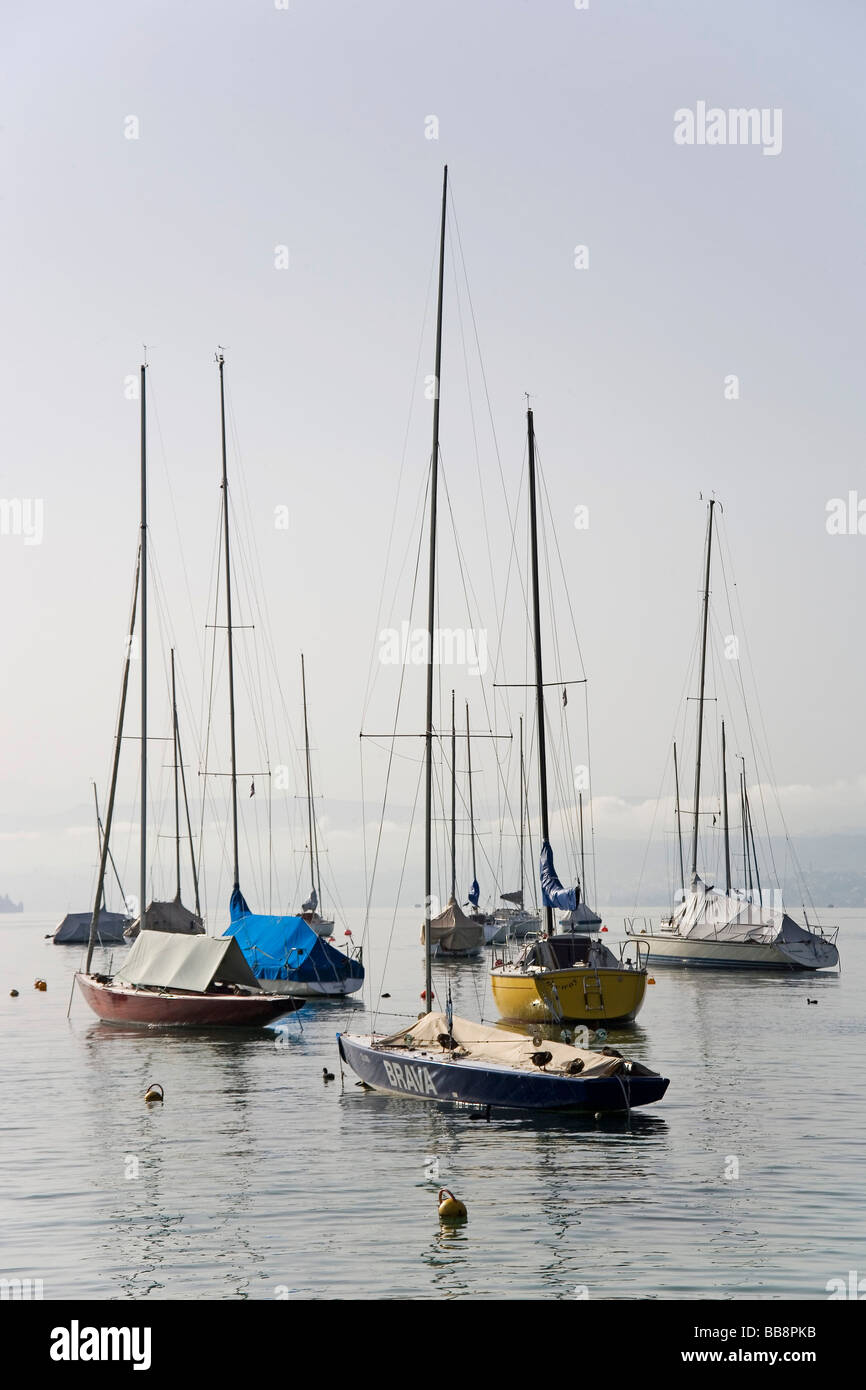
<point x="116" y="1003"/>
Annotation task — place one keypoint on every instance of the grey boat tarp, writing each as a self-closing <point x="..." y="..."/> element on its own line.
<point x="74" y="930"/>
<point x="167" y="917"/>
<point x="705" y="915"/>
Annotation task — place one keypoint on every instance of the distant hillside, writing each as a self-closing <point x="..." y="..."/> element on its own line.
<point x="7" y="905"/>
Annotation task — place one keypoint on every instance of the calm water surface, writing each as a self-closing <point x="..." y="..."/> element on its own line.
<point x="255" y="1177"/>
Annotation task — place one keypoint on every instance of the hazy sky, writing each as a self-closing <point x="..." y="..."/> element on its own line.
<point x="261" y="128"/>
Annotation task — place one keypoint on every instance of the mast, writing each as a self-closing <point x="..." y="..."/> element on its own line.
<point x="471" y="806"/>
<point x="521" y="815"/>
<point x="431" y="619"/>
<point x="98" y="836"/>
<point x="453" y="804"/>
<point x="188" y="821"/>
<point x="309" y="785"/>
<point x="142" y="877"/>
<point x="225" y="492"/>
<point x="539" y="670"/>
<point x="751" y="835"/>
<point x="747" y="863"/>
<point x="176" y="796"/>
<point x="725" y="816"/>
<point x="582" y="861"/>
<point x="694" y="876"/>
<point x="679" y="822"/>
<point x="118" y="742"/>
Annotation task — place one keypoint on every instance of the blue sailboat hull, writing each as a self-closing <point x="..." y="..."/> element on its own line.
<point x="508" y="1088"/>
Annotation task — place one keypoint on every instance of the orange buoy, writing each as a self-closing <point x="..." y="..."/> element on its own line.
<point x="450" y="1207"/>
<point x="650" y="980"/>
<point x="40" y="984"/>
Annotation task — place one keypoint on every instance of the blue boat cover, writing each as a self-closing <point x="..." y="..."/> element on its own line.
<point x="474" y="893"/>
<point x="285" y="948"/>
<point x="552" y="892"/>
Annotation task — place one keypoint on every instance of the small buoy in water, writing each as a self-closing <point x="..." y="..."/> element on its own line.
<point x="13" y="994"/>
<point x="650" y="980"/>
<point x="347" y="932"/>
<point x="385" y="996"/>
<point x="450" y="1207"/>
<point x="153" y="1093"/>
<point x="327" y="1075"/>
<point x="423" y="994"/>
<point x="39" y="984"/>
<point x="604" y="928"/>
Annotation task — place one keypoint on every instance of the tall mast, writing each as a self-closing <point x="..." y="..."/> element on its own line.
<point x="679" y="822"/>
<point x="227" y="560"/>
<point x="539" y="670"/>
<point x="453" y="803"/>
<point x="747" y="862"/>
<point x="188" y="821"/>
<point x="176" y="794"/>
<point x="751" y="834"/>
<point x="309" y="783"/>
<point x="725" y="815"/>
<point x="142" y="876"/>
<point x="694" y="876"/>
<point x="471" y="806"/>
<point x="118" y="743"/>
<point x="521" y="811"/>
<point x="431" y="619"/>
<point x="582" y="859"/>
<point x="98" y="835"/>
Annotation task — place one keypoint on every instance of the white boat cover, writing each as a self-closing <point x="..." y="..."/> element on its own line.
<point x="171" y="961"/>
<point x="169" y="917"/>
<point x="479" y="1043"/>
<point x="454" y="931"/>
<point x="705" y="915"/>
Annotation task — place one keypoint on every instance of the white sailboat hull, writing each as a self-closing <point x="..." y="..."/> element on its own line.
<point x="673" y="949"/>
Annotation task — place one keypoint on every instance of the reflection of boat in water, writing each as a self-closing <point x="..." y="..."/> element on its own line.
<point x="731" y="930"/>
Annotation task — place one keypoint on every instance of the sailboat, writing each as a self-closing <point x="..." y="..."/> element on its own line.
<point x="734" y="929"/>
<point x="285" y="954"/>
<point x="169" y="979"/>
<point x="565" y="976"/>
<point x="310" y="910"/>
<point x="581" y="918"/>
<point x="446" y="1058"/>
<point x="452" y="934"/>
<point x="516" y="920"/>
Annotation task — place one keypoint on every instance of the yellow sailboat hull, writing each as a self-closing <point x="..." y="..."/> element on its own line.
<point x="577" y="995"/>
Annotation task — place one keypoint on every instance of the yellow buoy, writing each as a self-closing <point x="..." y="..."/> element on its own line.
<point x="451" y="1208"/>
<point x="153" y="1093"/>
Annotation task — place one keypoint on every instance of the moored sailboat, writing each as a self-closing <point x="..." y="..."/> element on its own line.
<point x="736" y="929"/>
<point x="445" y="1058"/>
<point x="564" y="976"/>
<point x="167" y="979"/>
